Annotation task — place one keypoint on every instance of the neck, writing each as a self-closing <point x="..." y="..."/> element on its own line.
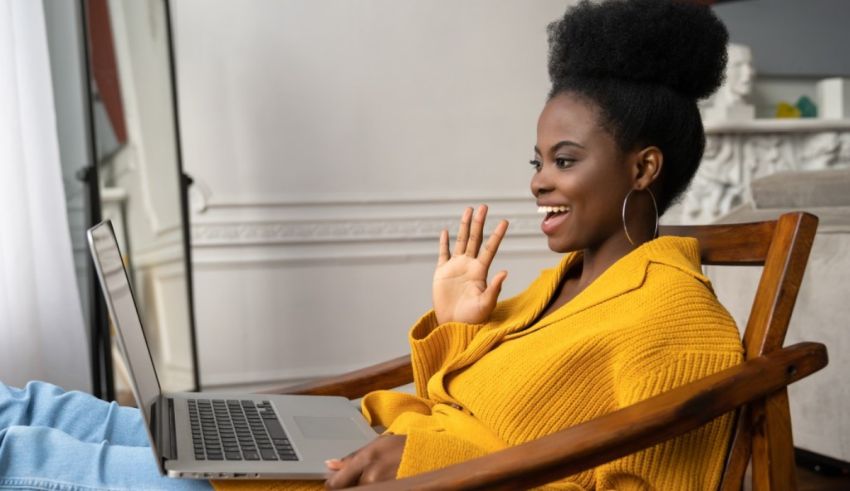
<point x="596" y="261"/>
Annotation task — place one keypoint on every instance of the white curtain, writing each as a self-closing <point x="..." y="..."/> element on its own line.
<point x="42" y="333"/>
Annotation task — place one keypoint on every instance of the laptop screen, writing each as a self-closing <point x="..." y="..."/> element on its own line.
<point x="125" y="316"/>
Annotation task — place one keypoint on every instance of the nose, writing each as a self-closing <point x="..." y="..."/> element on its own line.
<point x="541" y="182"/>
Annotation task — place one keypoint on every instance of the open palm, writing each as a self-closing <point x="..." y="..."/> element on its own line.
<point x="460" y="289"/>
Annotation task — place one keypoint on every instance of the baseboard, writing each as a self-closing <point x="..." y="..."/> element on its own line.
<point x="821" y="464"/>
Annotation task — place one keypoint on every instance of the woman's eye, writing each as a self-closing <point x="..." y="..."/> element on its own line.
<point x="536" y="164"/>
<point x="563" y="163"/>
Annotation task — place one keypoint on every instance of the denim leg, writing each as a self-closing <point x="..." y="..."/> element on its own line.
<point x="78" y="414"/>
<point x="35" y="457"/>
<point x="56" y="440"/>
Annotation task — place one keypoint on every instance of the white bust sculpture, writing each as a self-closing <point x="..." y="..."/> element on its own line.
<point x="730" y="102"/>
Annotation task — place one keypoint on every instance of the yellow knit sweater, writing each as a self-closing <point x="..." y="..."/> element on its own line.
<point x="649" y="323"/>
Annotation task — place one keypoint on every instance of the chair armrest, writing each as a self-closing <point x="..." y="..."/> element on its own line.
<point x="358" y="383"/>
<point x="624" y="431"/>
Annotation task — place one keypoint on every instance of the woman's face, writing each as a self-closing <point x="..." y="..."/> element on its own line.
<point x="580" y="169"/>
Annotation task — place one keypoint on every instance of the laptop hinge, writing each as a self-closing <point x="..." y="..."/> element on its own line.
<point x="163" y="414"/>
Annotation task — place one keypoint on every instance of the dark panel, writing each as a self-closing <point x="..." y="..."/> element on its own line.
<point x="792" y="37"/>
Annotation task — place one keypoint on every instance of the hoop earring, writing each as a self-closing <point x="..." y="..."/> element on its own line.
<point x="654" y="205"/>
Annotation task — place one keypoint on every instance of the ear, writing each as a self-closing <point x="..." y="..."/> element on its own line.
<point x="647" y="167"/>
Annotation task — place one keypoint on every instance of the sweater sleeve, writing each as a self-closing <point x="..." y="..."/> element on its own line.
<point x="431" y="344"/>
<point x="442" y="437"/>
<point x="429" y="449"/>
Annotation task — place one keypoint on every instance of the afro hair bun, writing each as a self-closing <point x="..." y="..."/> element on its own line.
<point x="677" y="44"/>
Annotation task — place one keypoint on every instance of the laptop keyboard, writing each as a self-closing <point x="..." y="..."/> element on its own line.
<point x="237" y="430"/>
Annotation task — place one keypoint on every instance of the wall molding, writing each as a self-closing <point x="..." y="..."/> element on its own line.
<point x="268" y="230"/>
<point x="334" y="231"/>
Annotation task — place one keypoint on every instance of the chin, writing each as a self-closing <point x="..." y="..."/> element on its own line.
<point x="560" y="245"/>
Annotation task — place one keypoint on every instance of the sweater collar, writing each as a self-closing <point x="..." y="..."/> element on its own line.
<point x="625" y="275"/>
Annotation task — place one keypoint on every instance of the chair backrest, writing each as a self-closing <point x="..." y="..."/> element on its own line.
<point x="762" y="429"/>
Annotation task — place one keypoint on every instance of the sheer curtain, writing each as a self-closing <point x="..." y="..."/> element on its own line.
<point x="42" y="333"/>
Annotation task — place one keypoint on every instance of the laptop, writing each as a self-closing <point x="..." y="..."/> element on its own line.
<point x="221" y="435"/>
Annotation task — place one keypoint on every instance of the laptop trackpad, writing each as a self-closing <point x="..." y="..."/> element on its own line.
<point x="328" y="428"/>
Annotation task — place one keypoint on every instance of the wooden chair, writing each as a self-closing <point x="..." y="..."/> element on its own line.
<point x="755" y="389"/>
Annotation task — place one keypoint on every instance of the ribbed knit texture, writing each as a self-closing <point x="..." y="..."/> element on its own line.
<point x="648" y="324"/>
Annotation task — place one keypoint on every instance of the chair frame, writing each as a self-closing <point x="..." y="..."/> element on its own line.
<point x="756" y="388"/>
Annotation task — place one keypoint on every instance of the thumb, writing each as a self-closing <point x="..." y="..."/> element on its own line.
<point x="491" y="294"/>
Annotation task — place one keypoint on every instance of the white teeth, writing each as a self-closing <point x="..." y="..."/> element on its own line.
<point x="552" y="209"/>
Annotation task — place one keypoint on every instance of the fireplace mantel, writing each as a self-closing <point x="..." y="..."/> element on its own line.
<point x="738" y="153"/>
<point x="803" y="125"/>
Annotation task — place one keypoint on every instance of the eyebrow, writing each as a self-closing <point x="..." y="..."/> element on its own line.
<point x="557" y="146"/>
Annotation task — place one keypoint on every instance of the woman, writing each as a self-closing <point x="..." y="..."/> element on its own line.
<point x="624" y="316"/>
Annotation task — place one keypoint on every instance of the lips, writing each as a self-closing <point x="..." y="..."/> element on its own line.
<point x="555" y="216"/>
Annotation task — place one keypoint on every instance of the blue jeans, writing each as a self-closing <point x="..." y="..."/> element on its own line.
<point x="56" y="440"/>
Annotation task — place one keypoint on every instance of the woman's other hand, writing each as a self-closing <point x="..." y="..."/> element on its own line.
<point x="378" y="461"/>
<point x="460" y="290"/>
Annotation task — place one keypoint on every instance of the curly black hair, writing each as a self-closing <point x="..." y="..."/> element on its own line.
<point x="644" y="64"/>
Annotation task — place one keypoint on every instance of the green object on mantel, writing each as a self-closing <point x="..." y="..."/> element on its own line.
<point x="785" y="110"/>
<point x="804" y="108"/>
<point x="807" y="107"/>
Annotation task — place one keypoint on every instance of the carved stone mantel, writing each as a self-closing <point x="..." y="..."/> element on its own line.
<point x="737" y="153"/>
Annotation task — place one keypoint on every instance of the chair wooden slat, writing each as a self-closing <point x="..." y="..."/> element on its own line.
<point x="740" y="449"/>
<point x="780" y="281"/>
<point x="773" y="448"/>
<point x="739" y="244"/>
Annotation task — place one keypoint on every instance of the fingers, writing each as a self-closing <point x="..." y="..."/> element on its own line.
<point x="476" y="231"/>
<point x="492" y="245"/>
<point x="377" y="461"/>
<point x="470" y="235"/>
<point x="346" y="475"/>
<point x="444" y="248"/>
<point x="463" y="231"/>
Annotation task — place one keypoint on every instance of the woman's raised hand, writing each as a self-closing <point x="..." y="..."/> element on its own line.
<point x="460" y="290"/>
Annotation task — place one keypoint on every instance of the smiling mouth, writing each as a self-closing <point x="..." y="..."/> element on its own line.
<point x="554" y="217"/>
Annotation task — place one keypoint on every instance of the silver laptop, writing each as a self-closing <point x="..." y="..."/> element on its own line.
<point x="220" y="435"/>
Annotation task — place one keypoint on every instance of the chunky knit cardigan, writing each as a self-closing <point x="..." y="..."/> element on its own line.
<point x="649" y="323"/>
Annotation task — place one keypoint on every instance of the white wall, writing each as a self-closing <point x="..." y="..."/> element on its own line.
<point x="330" y="141"/>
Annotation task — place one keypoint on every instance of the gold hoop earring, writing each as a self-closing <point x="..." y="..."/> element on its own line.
<point x="654" y="205"/>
